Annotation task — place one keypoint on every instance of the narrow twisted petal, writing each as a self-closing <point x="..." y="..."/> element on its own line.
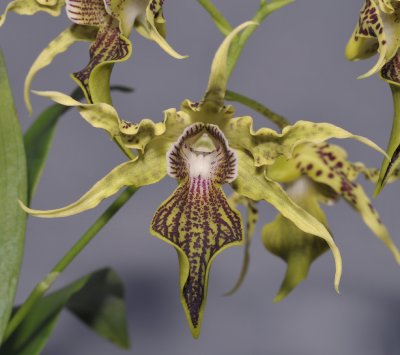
<point x="135" y="136"/>
<point x="266" y="145"/>
<point x="146" y="170"/>
<point x="253" y="183"/>
<point x="58" y="45"/>
<point x="154" y="23"/>
<point x="30" y="7"/>
<point x="197" y="218"/>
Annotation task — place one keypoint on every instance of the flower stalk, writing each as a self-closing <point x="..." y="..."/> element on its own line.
<point x="274" y="117"/>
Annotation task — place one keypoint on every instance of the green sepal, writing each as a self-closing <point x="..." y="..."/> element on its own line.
<point x="254" y="184"/>
<point x="135" y="136"/>
<point x="298" y="249"/>
<point x="96" y="299"/>
<point x="217" y="82"/>
<point x="13" y="186"/>
<point x="144" y="170"/>
<point x="57" y="46"/>
<point x="30" y="7"/>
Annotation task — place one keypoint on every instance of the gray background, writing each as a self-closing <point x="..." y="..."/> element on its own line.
<point x="295" y="64"/>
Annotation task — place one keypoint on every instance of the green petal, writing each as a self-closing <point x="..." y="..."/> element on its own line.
<point x="30" y="7"/>
<point x="215" y="93"/>
<point x="57" y="46"/>
<point x="197" y="218"/>
<point x="252" y="183"/>
<point x="375" y="31"/>
<point x="146" y="170"/>
<point x="252" y="218"/>
<point x="327" y="164"/>
<point x="135" y="136"/>
<point x="151" y="27"/>
<point x="282" y="238"/>
<point x="266" y="145"/>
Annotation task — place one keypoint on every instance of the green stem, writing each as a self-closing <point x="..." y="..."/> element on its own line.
<point x="222" y="24"/>
<point x="279" y="120"/>
<point x="76" y="249"/>
<point x="264" y="10"/>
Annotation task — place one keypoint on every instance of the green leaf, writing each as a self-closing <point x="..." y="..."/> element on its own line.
<point x="96" y="299"/>
<point x="13" y="186"/>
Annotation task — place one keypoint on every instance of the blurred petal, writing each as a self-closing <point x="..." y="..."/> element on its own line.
<point x="376" y="31"/>
<point x="146" y="170"/>
<point x="251" y="221"/>
<point x="252" y="183"/>
<point x="30" y="7"/>
<point x="197" y="218"/>
<point x="327" y="164"/>
<point x="282" y="238"/>
<point x="57" y="46"/>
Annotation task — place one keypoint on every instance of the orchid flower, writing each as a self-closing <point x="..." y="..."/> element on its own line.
<point x="107" y="24"/>
<point x="203" y="146"/>
<point x="317" y="173"/>
<point x="378" y="31"/>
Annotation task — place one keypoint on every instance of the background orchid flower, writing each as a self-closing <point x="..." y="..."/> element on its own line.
<point x="378" y="31"/>
<point x="30" y="7"/>
<point x="107" y="24"/>
<point x="202" y="146"/>
<point x="317" y="173"/>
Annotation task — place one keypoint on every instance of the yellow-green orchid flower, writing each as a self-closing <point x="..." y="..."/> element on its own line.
<point x="105" y="23"/>
<point x="30" y="7"/>
<point x="202" y="146"/>
<point x="378" y="31"/>
<point x="317" y="173"/>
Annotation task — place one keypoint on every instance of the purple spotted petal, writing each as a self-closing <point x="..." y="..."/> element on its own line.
<point x="197" y="218"/>
<point x="109" y="46"/>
